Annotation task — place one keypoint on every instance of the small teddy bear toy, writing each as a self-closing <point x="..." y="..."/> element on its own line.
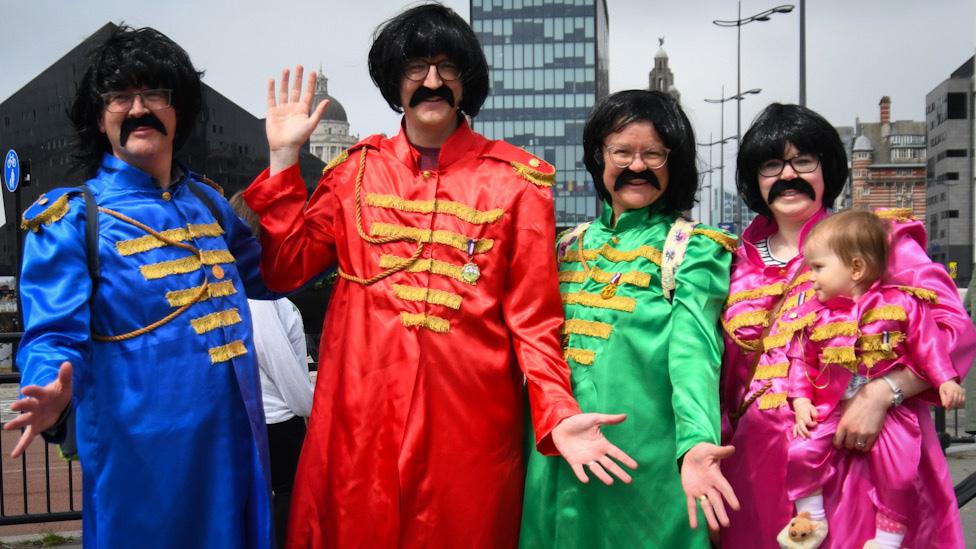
<point x="802" y="533"/>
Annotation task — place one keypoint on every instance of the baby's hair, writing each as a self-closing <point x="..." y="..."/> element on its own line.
<point x="855" y="233"/>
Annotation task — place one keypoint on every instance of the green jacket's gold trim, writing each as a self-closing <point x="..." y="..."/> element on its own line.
<point x="224" y="353"/>
<point x="338" y="159"/>
<point x="178" y="298"/>
<point x="432" y="266"/>
<point x="834" y="329"/>
<point x="429" y="295"/>
<point x="773" y="400"/>
<point x="772" y="371"/>
<point x="723" y="239"/>
<point x="536" y="177"/>
<point x="887" y="312"/>
<point x="424" y="320"/>
<point x="447" y="238"/>
<point x="54" y="212"/>
<point x="921" y="293"/>
<point x="185" y="265"/>
<point x="589" y="328"/>
<point x="220" y="319"/>
<point x="456" y="209"/>
<point x="634" y="278"/>
<point x="775" y="289"/>
<point x="586" y="299"/>
<point x="614" y="255"/>
<point x="580" y="356"/>
<point x="150" y="242"/>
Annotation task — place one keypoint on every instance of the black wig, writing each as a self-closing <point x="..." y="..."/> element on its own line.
<point x="132" y="58"/>
<point x="767" y="138"/>
<point x="615" y="112"/>
<point x="424" y="32"/>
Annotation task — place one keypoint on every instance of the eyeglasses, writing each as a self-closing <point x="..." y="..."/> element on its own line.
<point x="801" y="163"/>
<point x="652" y="158"/>
<point x="417" y="70"/>
<point x="122" y="101"/>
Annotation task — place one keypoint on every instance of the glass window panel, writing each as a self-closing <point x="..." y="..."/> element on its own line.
<point x="487" y="6"/>
<point x="558" y="30"/>
<point x="529" y="99"/>
<point x="589" y="27"/>
<point x="539" y="79"/>
<point x="547" y="28"/>
<point x="590" y="75"/>
<point x="508" y="80"/>
<point x="517" y="4"/>
<point x="560" y="79"/>
<point x="508" y="27"/>
<point x="527" y="56"/>
<point x="550" y="128"/>
<point x="559" y="101"/>
<point x="508" y="102"/>
<point x="550" y="79"/>
<point x="550" y="102"/>
<point x="589" y="54"/>
<point x="518" y="84"/>
<point x="507" y="4"/>
<point x="548" y="53"/>
<point x="538" y="55"/>
<point x="517" y="54"/>
<point x="507" y="50"/>
<point x="579" y="49"/>
<point x="519" y="101"/>
<point x="580" y="77"/>
<point x="519" y="124"/>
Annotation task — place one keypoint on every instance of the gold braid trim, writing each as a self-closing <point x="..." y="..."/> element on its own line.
<point x="794" y="300"/>
<point x="772" y="400"/>
<point x="432" y="266"/>
<point x="870" y="358"/>
<point x="178" y="298"/>
<point x="586" y="299"/>
<point x="589" y="328"/>
<point x="896" y="214"/>
<point x="457" y="209"/>
<point x="774" y="289"/>
<point x="447" y="238"/>
<point x="338" y="159"/>
<point x="749" y="318"/>
<point x="921" y="293"/>
<point x="211" y="322"/>
<point x="429" y="295"/>
<point x="581" y="356"/>
<point x="887" y="312"/>
<point x="787" y="329"/>
<point x="536" y="177"/>
<point x="150" y="242"/>
<point x="634" y="278"/>
<point x="186" y="264"/>
<point x="54" y="212"/>
<point x="839" y="355"/>
<point x="424" y="320"/>
<point x="875" y="342"/>
<point x="724" y="240"/>
<point x="616" y="256"/>
<point x="771" y="371"/>
<point x="834" y="329"/>
<point x="224" y="353"/>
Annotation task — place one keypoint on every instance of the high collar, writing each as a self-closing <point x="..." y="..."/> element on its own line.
<point x="630" y="219"/>
<point x="115" y="173"/>
<point x="453" y="148"/>
<point x="762" y="228"/>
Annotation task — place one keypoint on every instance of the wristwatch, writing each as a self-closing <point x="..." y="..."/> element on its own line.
<point x="897" y="396"/>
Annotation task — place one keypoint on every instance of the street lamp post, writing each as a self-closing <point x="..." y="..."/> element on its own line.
<point x="737" y="23"/>
<point x="722" y="139"/>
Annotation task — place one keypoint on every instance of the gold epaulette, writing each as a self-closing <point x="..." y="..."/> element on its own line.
<point x="338" y="159"/>
<point x="48" y="208"/>
<point x="528" y="166"/>
<point x="534" y="176"/>
<point x="920" y="293"/>
<point x="722" y="238"/>
<point x="896" y="214"/>
<point x="212" y="184"/>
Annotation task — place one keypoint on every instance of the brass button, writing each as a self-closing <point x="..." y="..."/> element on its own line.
<point x="167" y="196"/>
<point x="426" y="174"/>
<point x="792" y="315"/>
<point x="42" y="200"/>
<point x="534" y="163"/>
<point x="615" y="240"/>
<point x="218" y="272"/>
<point x="782" y="272"/>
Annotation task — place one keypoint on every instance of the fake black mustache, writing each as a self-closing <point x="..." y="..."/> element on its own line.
<point x="784" y="185"/>
<point x="129" y="125"/>
<point x="628" y="175"/>
<point x="424" y="92"/>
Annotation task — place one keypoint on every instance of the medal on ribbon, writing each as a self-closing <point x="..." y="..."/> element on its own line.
<point x="470" y="271"/>
<point x="610" y="289"/>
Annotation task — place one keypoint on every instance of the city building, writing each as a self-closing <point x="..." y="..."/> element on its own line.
<point x="949" y="172"/>
<point x="661" y="78"/>
<point x="846" y="134"/>
<point x="888" y="163"/>
<point x="228" y="144"/>
<point x="548" y="67"/>
<point x="331" y="136"/>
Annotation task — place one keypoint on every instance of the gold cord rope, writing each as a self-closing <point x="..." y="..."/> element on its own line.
<point x="196" y="298"/>
<point x="372" y="239"/>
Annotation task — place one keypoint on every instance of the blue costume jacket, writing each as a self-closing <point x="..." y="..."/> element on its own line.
<point x="170" y="427"/>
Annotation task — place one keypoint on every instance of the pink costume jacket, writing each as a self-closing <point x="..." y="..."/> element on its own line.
<point x="886" y="329"/>
<point x="757" y="470"/>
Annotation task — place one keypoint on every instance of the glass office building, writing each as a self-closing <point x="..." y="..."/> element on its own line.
<point x="548" y="63"/>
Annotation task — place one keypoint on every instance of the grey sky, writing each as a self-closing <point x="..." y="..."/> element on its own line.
<point x="857" y="50"/>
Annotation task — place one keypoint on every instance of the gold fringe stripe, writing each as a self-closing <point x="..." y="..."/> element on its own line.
<point x="457" y="209"/>
<point x="577" y="326"/>
<point x="424" y="320"/>
<point x="429" y="295"/>
<point x="755" y="293"/>
<point x="596" y="301"/>
<point x="151" y="242"/>
<point x="794" y="300"/>
<point x="772" y="371"/>
<point x="870" y="358"/>
<point x="614" y="255"/>
<point x="338" y="159"/>
<point x="185" y="264"/>
<point x="580" y="356"/>
<point x="220" y="319"/>
<point x="770" y="401"/>
<point x="226" y="352"/>
<point x="920" y="293"/>
<point x="724" y="240"/>
<point x="838" y="355"/>
<point x="887" y="312"/>
<point x="536" y="177"/>
<point x="896" y="214"/>
<point x="634" y="278"/>
<point x="178" y="298"/>
<point x="875" y="342"/>
<point x="834" y="329"/>
<point x="447" y="238"/>
<point x="786" y="331"/>
<point x="799" y="280"/>
<point x="54" y="212"/>
<point x="749" y="318"/>
<point x="432" y="266"/>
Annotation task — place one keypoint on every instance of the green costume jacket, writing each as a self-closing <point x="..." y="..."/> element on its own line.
<point x="638" y="353"/>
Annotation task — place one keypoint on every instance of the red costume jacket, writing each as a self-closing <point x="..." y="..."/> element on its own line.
<point x="416" y="434"/>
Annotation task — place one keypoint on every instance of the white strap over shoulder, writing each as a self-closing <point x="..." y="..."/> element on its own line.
<point x="674" y="253"/>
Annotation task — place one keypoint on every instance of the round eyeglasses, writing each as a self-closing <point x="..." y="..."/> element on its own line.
<point x="417" y="70"/>
<point x="121" y="101"/>
<point x="801" y="163"/>
<point x="652" y="158"/>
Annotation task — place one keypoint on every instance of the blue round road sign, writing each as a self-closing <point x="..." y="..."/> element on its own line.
<point x="11" y="170"/>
